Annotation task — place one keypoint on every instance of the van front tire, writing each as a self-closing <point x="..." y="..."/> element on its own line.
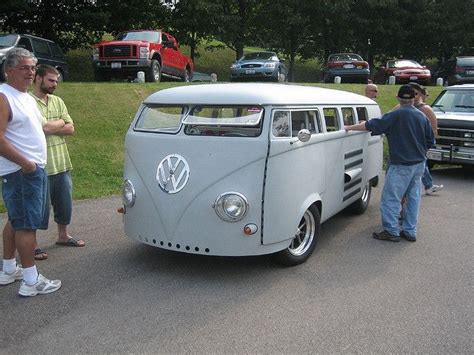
<point x="304" y="241"/>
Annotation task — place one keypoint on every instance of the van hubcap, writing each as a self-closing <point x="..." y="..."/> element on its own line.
<point x="304" y="235"/>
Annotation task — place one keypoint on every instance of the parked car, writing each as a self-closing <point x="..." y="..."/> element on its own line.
<point x="349" y="67"/>
<point x="45" y="50"/>
<point x="454" y="108"/>
<point x="407" y="70"/>
<point x="156" y="53"/>
<point x="259" y="66"/>
<point x="458" y="71"/>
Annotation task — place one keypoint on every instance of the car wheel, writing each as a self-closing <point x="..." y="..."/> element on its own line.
<point x="153" y="74"/>
<point x="304" y="241"/>
<point x="61" y="76"/>
<point x="359" y="206"/>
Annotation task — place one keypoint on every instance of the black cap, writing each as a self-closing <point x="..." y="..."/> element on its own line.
<point x="406" y="92"/>
<point x="418" y="87"/>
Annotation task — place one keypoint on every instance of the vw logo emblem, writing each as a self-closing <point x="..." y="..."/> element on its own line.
<point x="172" y="173"/>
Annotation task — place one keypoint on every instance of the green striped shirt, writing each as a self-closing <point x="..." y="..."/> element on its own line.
<point x="58" y="154"/>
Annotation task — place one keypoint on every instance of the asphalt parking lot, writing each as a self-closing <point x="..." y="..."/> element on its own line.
<point x="354" y="295"/>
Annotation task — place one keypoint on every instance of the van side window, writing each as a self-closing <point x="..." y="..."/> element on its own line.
<point x="304" y="120"/>
<point x="331" y="118"/>
<point x="362" y="114"/>
<point x="41" y="48"/>
<point x="348" y="115"/>
<point x="25" y="43"/>
<point x="281" y="124"/>
<point x="56" y="51"/>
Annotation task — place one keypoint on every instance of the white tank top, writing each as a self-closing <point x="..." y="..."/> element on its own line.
<point x="24" y="130"/>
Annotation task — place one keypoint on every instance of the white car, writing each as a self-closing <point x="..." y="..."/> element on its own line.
<point x="246" y="169"/>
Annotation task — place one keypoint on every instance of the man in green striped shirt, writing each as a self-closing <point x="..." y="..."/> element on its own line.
<point x="59" y="163"/>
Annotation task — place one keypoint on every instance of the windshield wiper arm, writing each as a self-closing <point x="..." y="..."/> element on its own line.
<point x="440" y="107"/>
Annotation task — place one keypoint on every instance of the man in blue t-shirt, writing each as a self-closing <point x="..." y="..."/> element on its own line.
<point x="409" y="136"/>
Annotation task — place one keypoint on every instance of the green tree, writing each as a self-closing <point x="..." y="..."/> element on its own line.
<point x="235" y="23"/>
<point x="192" y="22"/>
<point x="72" y="24"/>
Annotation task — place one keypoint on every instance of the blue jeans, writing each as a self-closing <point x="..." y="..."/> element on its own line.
<point x="401" y="180"/>
<point x="426" y="179"/>
<point x="25" y="199"/>
<point x="60" y="197"/>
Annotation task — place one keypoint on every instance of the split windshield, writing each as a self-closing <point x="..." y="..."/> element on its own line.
<point x="237" y="121"/>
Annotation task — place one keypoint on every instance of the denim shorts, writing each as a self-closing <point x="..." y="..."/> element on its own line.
<point x="24" y="196"/>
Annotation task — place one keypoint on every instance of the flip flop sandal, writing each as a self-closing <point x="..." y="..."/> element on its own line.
<point x="40" y="254"/>
<point x="71" y="242"/>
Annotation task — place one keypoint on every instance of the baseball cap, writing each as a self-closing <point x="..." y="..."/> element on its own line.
<point x="418" y="87"/>
<point x="406" y="92"/>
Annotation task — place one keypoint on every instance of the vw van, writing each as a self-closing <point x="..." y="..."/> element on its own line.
<point x="246" y="169"/>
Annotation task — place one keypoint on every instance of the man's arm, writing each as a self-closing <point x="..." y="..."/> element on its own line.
<point x="356" y="127"/>
<point x="429" y="113"/>
<point x="7" y="150"/>
<point x="58" y="128"/>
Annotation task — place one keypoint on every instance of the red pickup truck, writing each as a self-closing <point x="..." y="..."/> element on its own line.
<point x="154" y="52"/>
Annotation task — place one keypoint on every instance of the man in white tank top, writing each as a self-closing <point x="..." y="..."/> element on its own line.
<point x="24" y="181"/>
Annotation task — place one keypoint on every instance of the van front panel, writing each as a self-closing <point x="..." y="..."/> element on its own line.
<point x="187" y="218"/>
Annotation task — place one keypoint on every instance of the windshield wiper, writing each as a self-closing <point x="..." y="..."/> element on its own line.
<point x="440" y="107"/>
<point x="464" y="106"/>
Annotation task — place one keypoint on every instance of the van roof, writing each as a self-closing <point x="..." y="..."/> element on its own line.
<point x="255" y="94"/>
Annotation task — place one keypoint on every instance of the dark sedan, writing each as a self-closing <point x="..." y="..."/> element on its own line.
<point x="259" y="66"/>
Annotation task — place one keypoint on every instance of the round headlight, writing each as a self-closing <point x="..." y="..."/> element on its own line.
<point x="128" y="193"/>
<point x="231" y="206"/>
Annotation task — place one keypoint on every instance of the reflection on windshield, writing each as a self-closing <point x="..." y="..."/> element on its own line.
<point x="455" y="101"/>
<point x="165" y="119"/>
<point x="235" y="121"/>
<point x="148" y="36"/>
<point x="260" y="55"/>
<point x="8" y="40"/>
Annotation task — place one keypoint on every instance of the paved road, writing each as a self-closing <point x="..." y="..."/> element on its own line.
<point x="355" y="294"/>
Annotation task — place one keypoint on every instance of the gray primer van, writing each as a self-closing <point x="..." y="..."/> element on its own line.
<point x="246" y="169"/>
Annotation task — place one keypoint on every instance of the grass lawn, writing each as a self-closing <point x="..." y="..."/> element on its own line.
<point x="102" y="113"/>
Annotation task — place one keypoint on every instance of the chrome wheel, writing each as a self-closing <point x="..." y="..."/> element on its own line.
<point x="304" y="235"/>
<point x="304" y="241"/>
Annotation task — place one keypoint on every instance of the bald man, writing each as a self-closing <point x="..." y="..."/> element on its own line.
<point x="371" y="91"/>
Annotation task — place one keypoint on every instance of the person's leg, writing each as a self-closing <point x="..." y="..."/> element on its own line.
<point x="412" y="209"/>
<point x="61" y="200"/>
<point x="9" y="246"/>
<point x="25" y="244"/>
<point x="396" y="182"/>
<point x="427" y="179"/>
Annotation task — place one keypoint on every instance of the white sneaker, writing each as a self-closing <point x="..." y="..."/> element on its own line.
<point x="6" y="279"/>
<point x="42" y="286"/>
<point x="433" y="189"/>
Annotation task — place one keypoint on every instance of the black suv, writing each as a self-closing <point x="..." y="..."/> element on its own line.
<point x="45" y="50"/>
<point x="458" y="71"/>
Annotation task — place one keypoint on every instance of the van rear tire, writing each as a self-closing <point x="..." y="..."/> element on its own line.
<point x="360" y="206"/>
<point x="304" y="241"/>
